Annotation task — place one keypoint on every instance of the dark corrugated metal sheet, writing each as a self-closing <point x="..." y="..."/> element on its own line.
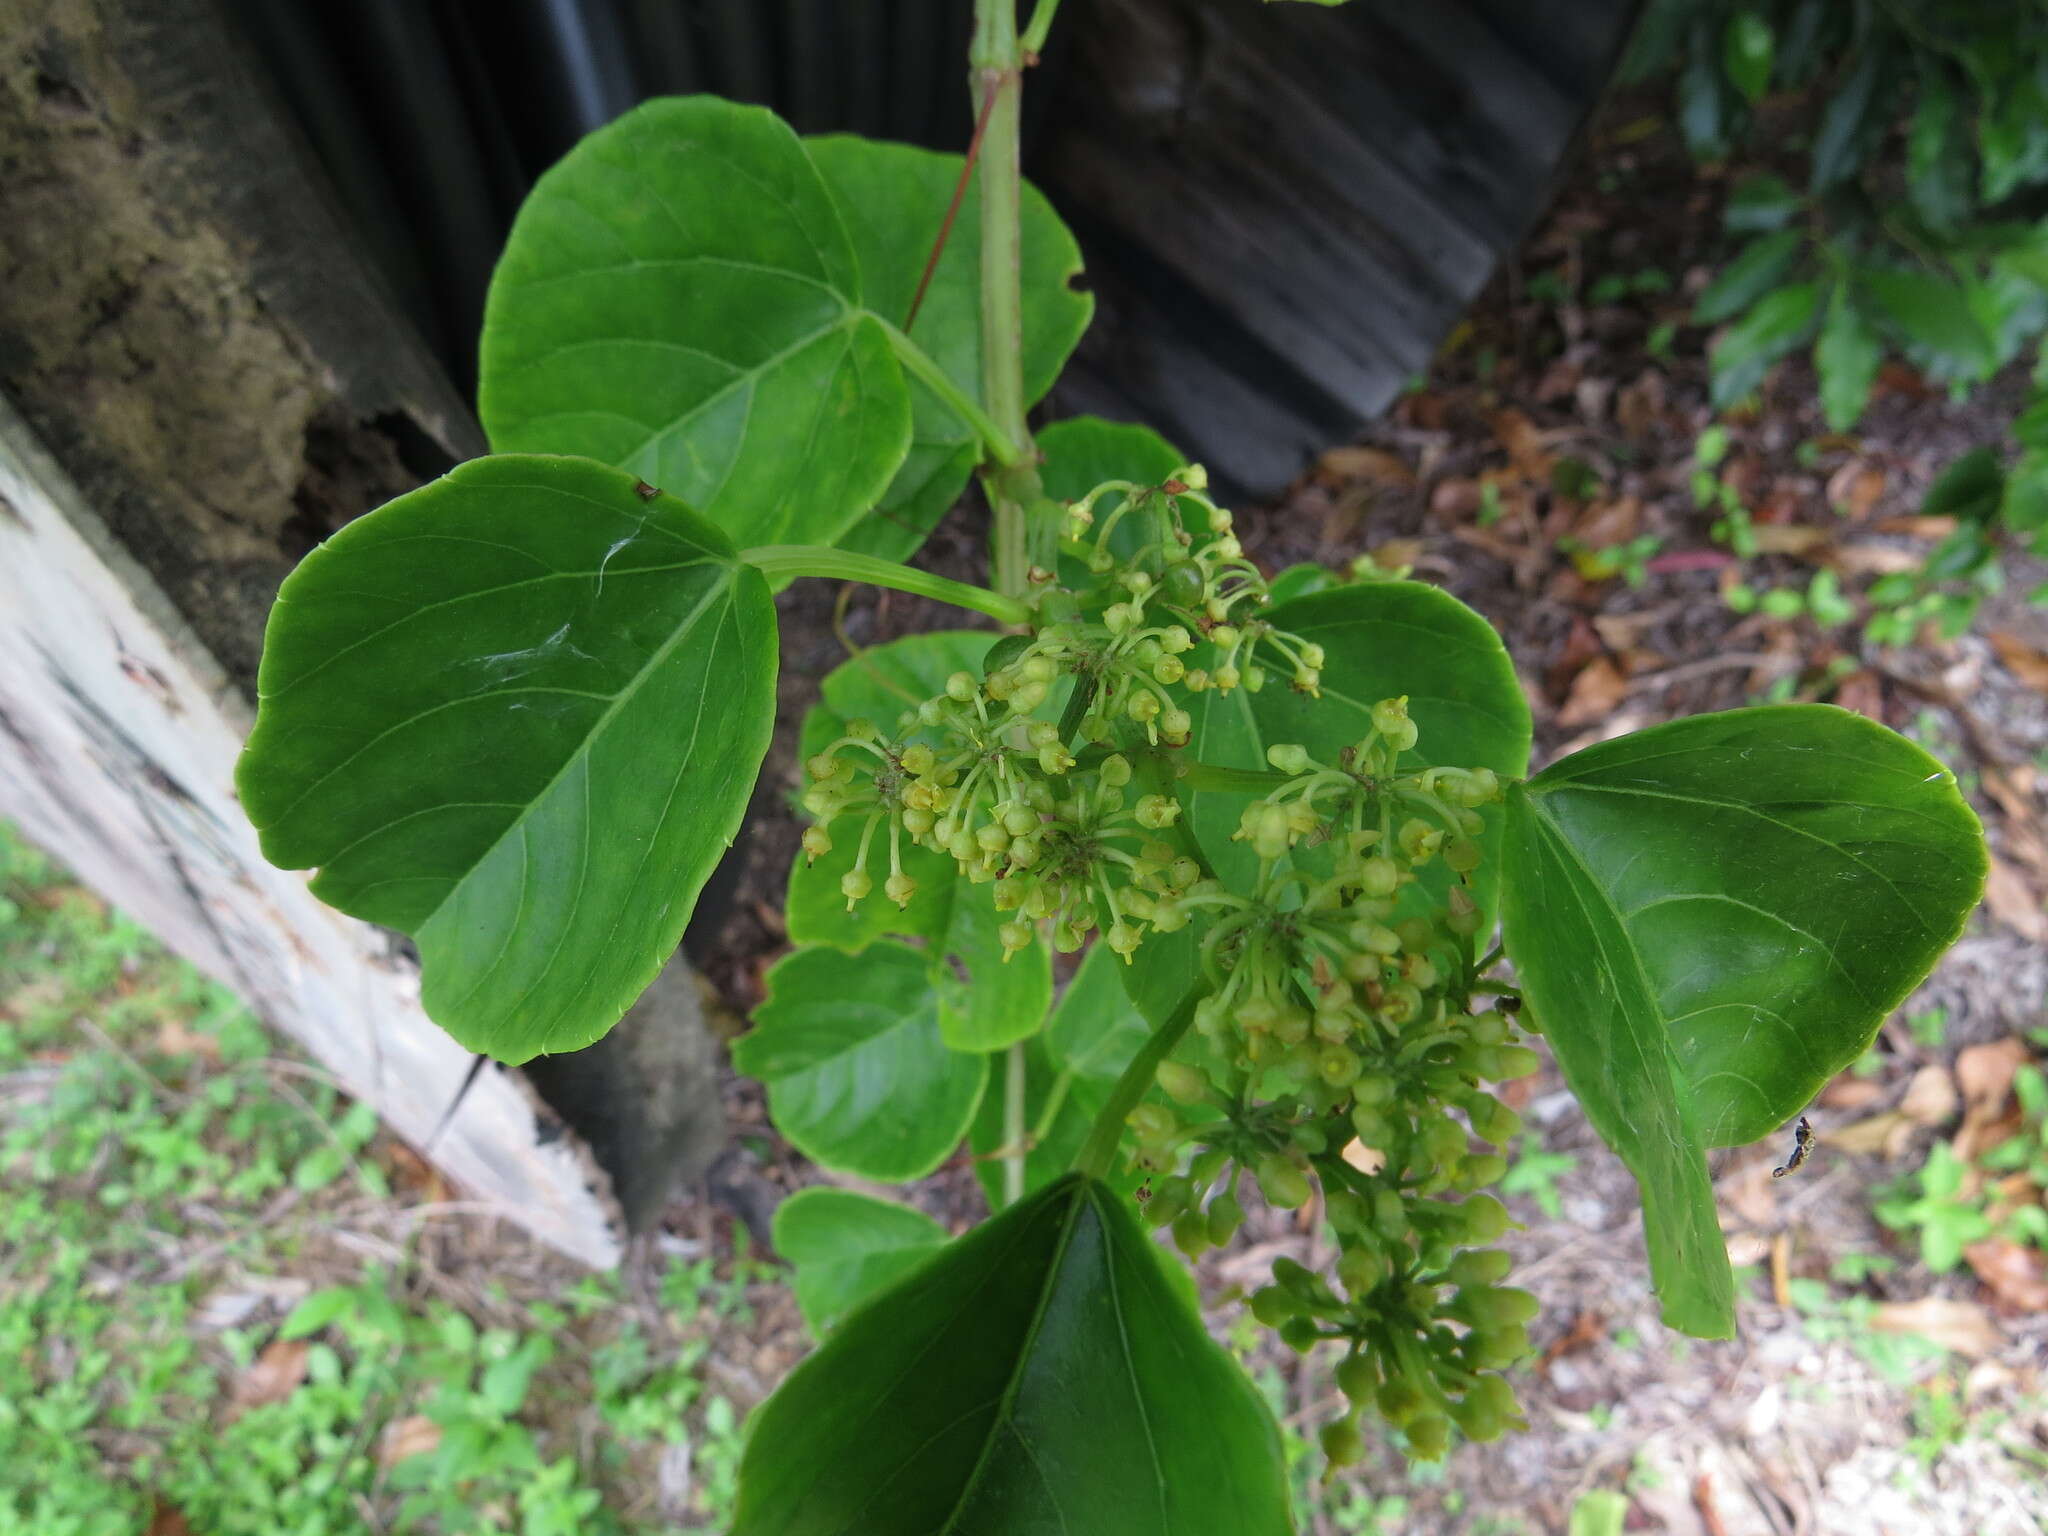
<point x="1283" y="207"/>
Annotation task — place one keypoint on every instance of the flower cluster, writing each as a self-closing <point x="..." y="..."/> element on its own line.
<point x="1337" y="1041"/>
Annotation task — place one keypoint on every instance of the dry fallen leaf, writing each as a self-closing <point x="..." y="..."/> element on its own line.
<point x="1454" y="499"/>
<point x="2025" y="662"/>
<point x="166" y="1519"/>
<point x="1594" y="693"/>
<point x="1887" y="1134"/>
<point x="1362" y="463"/>
<point x="414" y="1435"/>
<point x="2014" y="1273"/>
<point x="1985" y="1074"/>
<point x="1604" y="524"/>
<point x="1524" y="444"/>
<point x="1932" y="529"/>
<point x="271" y="1377"/>
<point x="1788" y="538"/>
<point x="1930" y="1097"/>
<point x="2011" y="898"/>
<point x="1962" y="1326"/>
<point x="1862" y="692"/>
<point x="174" y="1039"/>
<point x="1847" y="1093"/>
<point x="1855" y="488"/>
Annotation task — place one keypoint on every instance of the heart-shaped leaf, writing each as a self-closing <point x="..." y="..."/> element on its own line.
<point x="985" y="1001"/>
<point x="857" y="1076"/>
<point x="516" y="714"/>
<point x="893" y="199"/>
<point x="845" y="1247"/>
<point x="679" y="297"/>
<point x="1380" y="640"/>
<point x="1709" y="920"/>
<point x="1060" y="1383"/>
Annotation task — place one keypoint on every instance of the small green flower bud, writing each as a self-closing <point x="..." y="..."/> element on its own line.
<point x="1481" y="1220"/>
<point x="1462" y="855"/>
<point x="1379" y="876"/>
<point x="1342" y="1444"/>
<point x="1191" y="1233"/>
<point x="1419" y="840"/>
<point x="1169" y="1200"/>
<point x="1225" y="1216"/>
<point x="899" y="888"/>
<point x="817" y="843"/>
<point x="1288" y="757"/>
<point x="1115" y="770"/>
<point x="1274" y="1305"/>
<point x="1182" y="584"/>
<point x="1183" y="1084"/>
<point x="1282" y="1182"/>
<point x="1300" y="1334"/>
<point x="1360" y="1269"/>
<point x="1152" y="1123"/>
<point x="1429" y="1434"/>
<point x="855" y="884"/>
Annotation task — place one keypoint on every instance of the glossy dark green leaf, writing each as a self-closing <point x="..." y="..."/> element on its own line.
<point x="1932" y="313"/>
<point x="1041" y="1375"/>
<point x="1970" y="489"/>
<point x="846" y="1247"/>
<point x="1748" y="46"/>
<point x="1760" y="203"/>
<point x="892" y="199"/>
<point x="1847" y="358"/>
<point x="1301" y="580"/>
<point x="1760" y="267"/>
<point x="985" y="1002"/>
<point x="1938" y="160"/>
<point x="858" y="1077"/>
<point x="1710" y="919"/>
<point x="1856" y="114"/>
<point x="516" y="714"/>
<point x="679" y="297"/>
<point x="1778" y="322"/>
<point x="1380" y="640"/>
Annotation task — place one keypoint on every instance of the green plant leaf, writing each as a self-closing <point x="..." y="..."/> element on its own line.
<point x="1775" y="324"/>
<point x="1852" y="122"/>
<point x="1712" y="917"/>
<point x="858" y="1078"/>
<point x="1938" y="160"/>
<point x="1761" y="266"/>
<point x="892" y="199"/>
<point x="1089" y="1040"/>
<point x="1380" y="640"/>
<point x="679" y="297"/>
<point x="1096" y="1030"/>
<point x="516" y="714"/>
<point x="1060" y="1383"/>
<point x="1748" y="45"/>
<point x="845" y="1247"/>
<point x="996" y="1002"/>
<point x="1073" y="1103"/>
<point x="1760" y="202"/>
<point x="1932" y="313"/>
<point x="1847" y="358"/>
<point x="1970" y="489"/>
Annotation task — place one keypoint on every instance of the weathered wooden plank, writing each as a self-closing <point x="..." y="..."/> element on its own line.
<point x="118" y="737"/>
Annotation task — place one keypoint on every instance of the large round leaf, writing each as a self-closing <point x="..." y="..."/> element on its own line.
<point x="892" y="199"/>
<point x="846" y="1246"/>
<point x="1380" y="640"/>
<point x="516" y="714"/>
<point x="1042" y="1374"/>
<point x="985" y="1001"/>
<point x="679" y="297"/>
<point x="1712" y="918"/>
<point x="857" y="1075"/>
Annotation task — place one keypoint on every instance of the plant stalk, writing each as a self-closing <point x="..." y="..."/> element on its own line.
<point x="775" y="560"/>
<point x="996" y="80"/>
<point x="1098" y="1152"/>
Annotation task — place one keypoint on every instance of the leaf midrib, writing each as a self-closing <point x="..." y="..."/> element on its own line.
<point x="625" y="695"/>
<point x="1006" y="1402"/>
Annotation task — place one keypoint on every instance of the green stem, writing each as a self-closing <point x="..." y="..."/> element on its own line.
<point x="1013" y="1124"/>
<point x="1099" y="1151"/>
<point x="996" y="444"/>
<point x="996" y="79"/>
<point x="774" y="560"/>
<point x="1041" y="23"/>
